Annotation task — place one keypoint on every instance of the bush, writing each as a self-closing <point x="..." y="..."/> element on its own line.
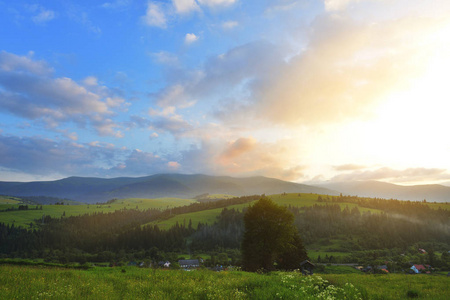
<point x="412" y="294"/>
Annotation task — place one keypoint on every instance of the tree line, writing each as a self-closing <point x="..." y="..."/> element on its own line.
<point x="122" y="234"/>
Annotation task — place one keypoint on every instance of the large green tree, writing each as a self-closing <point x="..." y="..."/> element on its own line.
<point x="270" y="237"/>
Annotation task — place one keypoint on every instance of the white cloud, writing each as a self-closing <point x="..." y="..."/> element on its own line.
<point x="44" y="16"/>
<point x="217" y="3"/>
<point x="116" y="4"/>
<point x="185" y="6"/>
<point x="12" y="62"/>
<point x="166" y="58"/>
<point x="155" y="16"/>
<point x="229" y="24"/>
<point x="28" y="90"/>
<point x="333" y="5"/>
<point x="190" y="38"/>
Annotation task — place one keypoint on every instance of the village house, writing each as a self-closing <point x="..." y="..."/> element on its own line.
<point x="307" y="267"/>
<point x="421" y="269"/>
<point x="189" y="263"/>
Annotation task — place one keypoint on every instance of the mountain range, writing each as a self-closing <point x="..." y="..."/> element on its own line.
<point x="377" y="189"/>
<point x="93" y="190"/>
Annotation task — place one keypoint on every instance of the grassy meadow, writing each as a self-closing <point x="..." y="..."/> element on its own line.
<point x="24" y="217"/>
<point x="33" y="282"/>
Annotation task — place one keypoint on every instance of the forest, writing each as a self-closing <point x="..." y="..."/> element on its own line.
<point x="399" y="227"/>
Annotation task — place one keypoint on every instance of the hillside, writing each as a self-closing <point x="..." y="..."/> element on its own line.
<point x="92" y="190"/>
<point x="431" y="192"/>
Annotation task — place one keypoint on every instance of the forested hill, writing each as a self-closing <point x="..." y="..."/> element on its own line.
<point x="430" y="192"/>
<point x="92" y="190"/>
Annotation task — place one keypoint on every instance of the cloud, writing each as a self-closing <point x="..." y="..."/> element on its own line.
<point x="185" y="6"/>
<point x="237" y="148"/>
<point x="46" y="157"/>
<point x="10" y="62"/>
<point x="140" y="163"/>
<point x="409" y="175"/>
<point x="29" y="90"/>
<point x="116" y="4"/>
<point x="44" y="16"/>
<point x="155" y="15"/>
<point x="229" y="25"/>
<point x="165" y="58"/>
<point x="242" y="157"/>
<point x="348" y="167"/>
<point x="79" y="15"/>
<point x="40" y="157"/>
<point x="167" y="120"/>
<point x="174" y="95"/>
<point x="190" y="38"/>
<point x="333" y="5"/>
<point x="217" y="3"/>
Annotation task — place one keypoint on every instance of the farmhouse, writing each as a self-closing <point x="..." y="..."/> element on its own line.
<point x="307" y="267"/>
<point x="420" y="268"/>
<point x="189" y="263"/>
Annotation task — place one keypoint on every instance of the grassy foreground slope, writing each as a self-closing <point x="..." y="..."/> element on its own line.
<point x="135" y="283"/>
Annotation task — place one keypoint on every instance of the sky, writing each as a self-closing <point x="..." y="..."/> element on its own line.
<point x="308" y="91"/>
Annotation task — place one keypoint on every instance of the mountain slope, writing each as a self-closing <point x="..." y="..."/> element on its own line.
<point x="431" y="192"/>
<point x="91" y="189"/>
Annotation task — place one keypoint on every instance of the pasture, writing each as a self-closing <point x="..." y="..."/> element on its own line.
<point x="25" y="217"/>
<point x="136" y="283"/>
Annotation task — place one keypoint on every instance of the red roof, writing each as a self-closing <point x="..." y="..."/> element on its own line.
<point x="420" y="267"/>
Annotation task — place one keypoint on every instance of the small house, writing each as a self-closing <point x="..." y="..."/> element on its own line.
<point x="307" y="267"/>
<point x="164" y="264"/>
<point x="419" y="268"/>
<point x="189" y="263"/>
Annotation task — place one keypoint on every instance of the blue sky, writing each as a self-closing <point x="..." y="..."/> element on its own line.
<point x="307" y="91"/>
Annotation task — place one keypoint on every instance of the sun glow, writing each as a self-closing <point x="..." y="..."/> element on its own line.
<point x="411" y="123"/>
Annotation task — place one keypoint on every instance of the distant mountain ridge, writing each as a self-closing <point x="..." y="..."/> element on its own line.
<point x="430" y="192"/>
<point x="92" y="189"/>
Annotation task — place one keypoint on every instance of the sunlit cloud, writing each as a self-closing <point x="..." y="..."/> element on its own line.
<point x="405" y="176"/>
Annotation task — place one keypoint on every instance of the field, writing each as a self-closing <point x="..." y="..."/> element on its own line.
<point x="396" y="286"/>
<point x="24" y="217"/>
<point x="9" y="200"/>
<point x="210" y="216"/>
<point x="205" y="216"/>
<point x="136" y="283"/>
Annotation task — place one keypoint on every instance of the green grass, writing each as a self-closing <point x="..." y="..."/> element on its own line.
<point x="396" y="286"/>
<point x="205" y="216"/>
<point x="24" y="217"/>
<point x="9" y="200"/>
<point x="135" y="283"/>
<point x="307" y="200"/>
<point x="444" y="205"/>
<point x="219" y="196"/>
<point x="36" y="282"/>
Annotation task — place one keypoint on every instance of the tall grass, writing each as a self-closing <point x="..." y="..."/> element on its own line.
<point x="19" y="282"/>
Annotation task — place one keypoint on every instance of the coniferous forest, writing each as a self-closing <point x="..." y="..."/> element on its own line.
<point x="397" y="227"/>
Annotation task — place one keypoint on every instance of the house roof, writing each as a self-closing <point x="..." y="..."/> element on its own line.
<point x="188" y="262"/>
<point x="307" y="262"/>
<point x="420" y="267"/>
